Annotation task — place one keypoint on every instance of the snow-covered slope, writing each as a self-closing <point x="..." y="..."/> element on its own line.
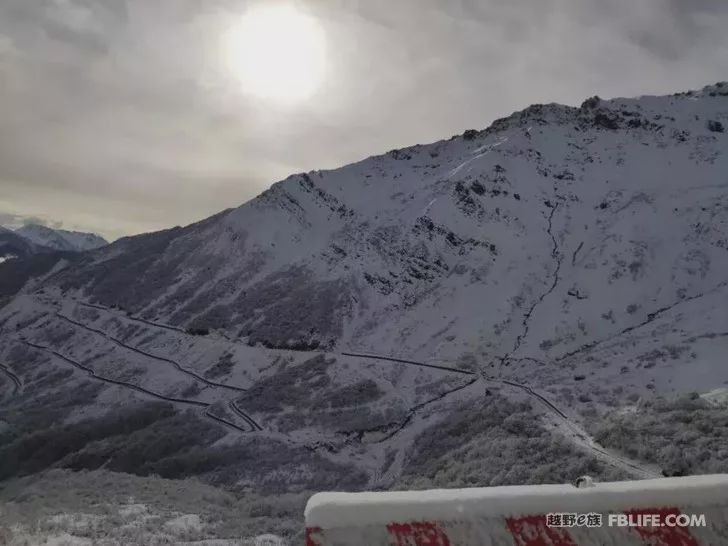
<point x="60" y="239"/>
<point x="562" y="263"/>
<point x="13" y="246"/>
<point x="554" y="228"/>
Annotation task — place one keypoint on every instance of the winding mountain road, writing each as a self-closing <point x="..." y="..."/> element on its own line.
<point x="195" y="403"/>
<point x="534" y="394"/>
<point x="569" y="428"/>
<point x="134" y="318"/>
<point x="582" y="438"/>
<point x="17" y="383"/>
<point x="116" y="382"/>
<point x="413" y="411"/>
<point x="227" y="423"/>
<point x="411" y="362"/>
<point x="144" y="353"/>
<point x="240" y="413"/>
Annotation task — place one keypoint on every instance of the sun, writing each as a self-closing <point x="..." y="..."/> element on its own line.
<point x="277" y="52"/>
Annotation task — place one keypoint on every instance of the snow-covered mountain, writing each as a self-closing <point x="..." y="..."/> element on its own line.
<point x="14" y="246"/>
<point x="60" y="239"/>
<point x="506" y="295"/>
<point x="560" y="214"/>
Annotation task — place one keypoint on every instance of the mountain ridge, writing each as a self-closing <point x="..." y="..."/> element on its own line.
<point x="60" y="239"/>
<point x="286" y="195"/>
<point x="402" y="319"/>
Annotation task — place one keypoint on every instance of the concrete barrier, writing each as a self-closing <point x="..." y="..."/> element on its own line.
<point x="689" y="511"/>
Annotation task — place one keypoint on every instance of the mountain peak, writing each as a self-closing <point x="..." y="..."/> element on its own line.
<point x="60" y="239"/>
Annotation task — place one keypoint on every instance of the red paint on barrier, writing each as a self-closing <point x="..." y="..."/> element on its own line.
<point x="662" y="536"/>
<point x="533" y="531"/>
<point x="312" y="540"/>
<point x="417" y="534"/>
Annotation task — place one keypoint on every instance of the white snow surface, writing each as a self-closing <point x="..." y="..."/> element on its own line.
<point x="60" y="239"/>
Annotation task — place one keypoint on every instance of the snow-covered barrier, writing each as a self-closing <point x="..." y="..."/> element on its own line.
<point x="689" y="511"/>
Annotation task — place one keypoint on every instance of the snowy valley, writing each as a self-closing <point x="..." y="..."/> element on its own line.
<point x="524" y="304"/>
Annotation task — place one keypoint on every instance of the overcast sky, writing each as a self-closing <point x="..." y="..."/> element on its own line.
<point x="121" y="116"/>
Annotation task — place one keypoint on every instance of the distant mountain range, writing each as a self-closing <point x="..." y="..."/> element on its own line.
<point x="13" y="245"/>
<point x="61" y="239"/>
<point x="34" y="238"/>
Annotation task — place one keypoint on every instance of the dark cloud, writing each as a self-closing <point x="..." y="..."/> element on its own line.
<point x="117" y="115"/>
<point x="14" y="221"/>
<point x="34" y="220"/>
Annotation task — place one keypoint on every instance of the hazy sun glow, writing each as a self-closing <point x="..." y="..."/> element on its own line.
<point x="277" y="52"/>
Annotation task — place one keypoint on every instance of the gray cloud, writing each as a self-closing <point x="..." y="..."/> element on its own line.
<point x="14" y="221"/>
<point x="117" y="115"/>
